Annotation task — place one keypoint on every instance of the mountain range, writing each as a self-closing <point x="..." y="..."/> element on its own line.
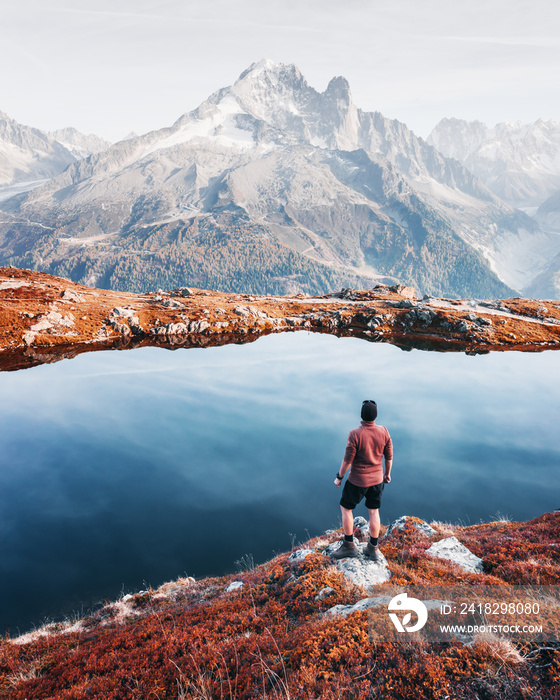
<point x="520" y="163"/>
<point x="29" y="156"/>
<point x="271" y="186"/>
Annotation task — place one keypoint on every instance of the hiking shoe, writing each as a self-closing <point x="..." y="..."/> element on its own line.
<point x="372" y="552"/>
<point x="346" y="549"/>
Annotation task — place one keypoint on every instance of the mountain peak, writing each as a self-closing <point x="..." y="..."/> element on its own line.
<point x="268" y="67"/>
<point x="339" y="86"/>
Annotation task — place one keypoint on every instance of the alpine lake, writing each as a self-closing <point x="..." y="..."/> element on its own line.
<point x="122" y="470"/>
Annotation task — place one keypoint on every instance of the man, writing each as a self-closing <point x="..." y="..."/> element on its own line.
<point x="367" y="445"/>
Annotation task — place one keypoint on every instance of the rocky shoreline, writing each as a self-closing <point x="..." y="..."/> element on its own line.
<point x="45" y="318"/>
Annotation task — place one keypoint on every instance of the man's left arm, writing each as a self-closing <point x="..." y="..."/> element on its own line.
<point x="388" y="455"/>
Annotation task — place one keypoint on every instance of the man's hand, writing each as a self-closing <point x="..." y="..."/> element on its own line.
<point x="337" y="483"/>
<point x="386" y="479"/>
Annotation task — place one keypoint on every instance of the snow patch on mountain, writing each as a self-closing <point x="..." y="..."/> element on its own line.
<point x="218" y="126"/>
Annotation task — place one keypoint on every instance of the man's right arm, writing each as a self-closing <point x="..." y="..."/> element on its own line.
<point x="348" y="458"/>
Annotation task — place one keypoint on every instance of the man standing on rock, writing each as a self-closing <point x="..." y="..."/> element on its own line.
<point x="367" y="445"/>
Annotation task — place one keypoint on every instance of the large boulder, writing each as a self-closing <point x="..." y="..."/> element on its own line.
<point x="452" y="550"/>
<point x="361" y="570"/>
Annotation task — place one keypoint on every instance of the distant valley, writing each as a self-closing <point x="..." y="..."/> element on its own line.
<point x="270" y="186"/>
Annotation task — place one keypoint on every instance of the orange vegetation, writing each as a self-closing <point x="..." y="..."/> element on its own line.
<point x="269" y="639"/>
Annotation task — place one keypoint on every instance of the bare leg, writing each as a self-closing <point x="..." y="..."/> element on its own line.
<point x="347" y="521"/>
<point x="374" y="522"/>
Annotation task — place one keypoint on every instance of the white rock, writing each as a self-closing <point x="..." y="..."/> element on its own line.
<point x="364" y="604"/>
<point x="42" y="325"/>
<point x="362" y="524"/>
<point x="400" y="523"/>
<point x="384" y="600"/>
<point x="14" y="284"/>
<point x="299" y="555"/>
<point x="234" y="586"/>
<point x="182" y="292"/>
<point x="120" y="327"/>
<point x="324" y="592"/>
<point x="170" y="329"/>
<point x="363" y="571"/>
<point x="123" y="311"/>
<point x="173" y="304"/>
<point x="452" y="550"/>
<point x="51" y="320"/>
<point x="241" y="311"/>
<point x="198" y="326"/>
<point x="69" y="295"/>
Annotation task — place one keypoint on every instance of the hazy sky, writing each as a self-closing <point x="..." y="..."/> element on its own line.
<point x="113" y="66"/>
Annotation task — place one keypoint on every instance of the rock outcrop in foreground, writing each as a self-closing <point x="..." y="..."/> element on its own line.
<point x="45" y="318"/>
<point x="298" y="626"/>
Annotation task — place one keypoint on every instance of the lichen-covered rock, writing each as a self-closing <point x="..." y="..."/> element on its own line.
<point x="69" y="295"/>
<point x="182" y="292"/>
<point x="173" y="304"/>
<point x="324" y="592"/>
<point x="451" y="549"/>
<point x="234" y="586"/>
<point x="364" y="604"/>
<point x="299" y="555"/>
<point x="119" y="327"/>
<point x="123" y="311"/>
<point x="361" y="526"/>
<point x="360" y="570"/>
<point x="420" y="525"/>
<point x="171" y="329"/>
<point x="375" y="601"/>
<point x="198" y="326"/>
<point x="363" y="571"/>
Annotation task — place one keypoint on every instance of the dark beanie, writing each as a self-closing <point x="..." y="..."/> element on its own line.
<point x="369" y="410"/>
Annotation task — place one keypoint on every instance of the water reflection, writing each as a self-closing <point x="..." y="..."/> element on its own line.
<point x="124" y="469"/>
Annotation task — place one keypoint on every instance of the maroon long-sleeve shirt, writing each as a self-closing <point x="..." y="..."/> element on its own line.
<point x="367" y="445"/>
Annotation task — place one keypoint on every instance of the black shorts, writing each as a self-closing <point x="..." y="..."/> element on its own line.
<point x="352" y="495"/>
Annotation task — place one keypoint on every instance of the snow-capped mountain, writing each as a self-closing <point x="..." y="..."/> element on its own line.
<point x="29" y="156"/>
<point x="80" y="145"/>
<point x="518" y="162"/>
<point x="288" y="181"/>
<point x="546" y="284"/>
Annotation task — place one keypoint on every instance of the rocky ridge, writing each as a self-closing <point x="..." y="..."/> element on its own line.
<point x="45" y="318"/>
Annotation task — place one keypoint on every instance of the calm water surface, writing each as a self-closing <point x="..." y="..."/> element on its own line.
<point x="120" y="470"/>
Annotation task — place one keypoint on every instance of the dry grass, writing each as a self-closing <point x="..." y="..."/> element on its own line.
<point x="445" y="529"/>
<point x="498" y="648"/>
